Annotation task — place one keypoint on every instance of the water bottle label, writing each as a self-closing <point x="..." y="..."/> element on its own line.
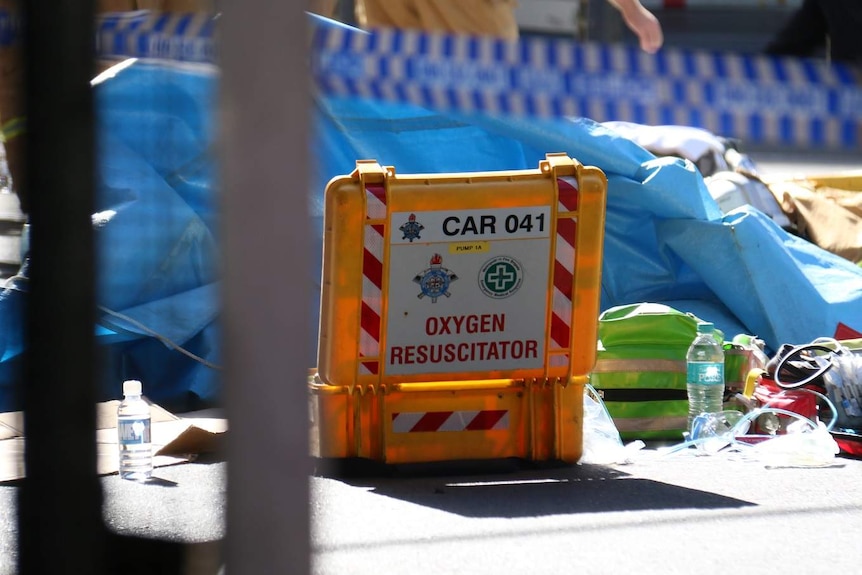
<point x="134" y="431"/>
<point x="706" y="373"/>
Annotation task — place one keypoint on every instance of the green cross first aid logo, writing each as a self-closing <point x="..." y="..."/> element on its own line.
<point x="500" y="277"/>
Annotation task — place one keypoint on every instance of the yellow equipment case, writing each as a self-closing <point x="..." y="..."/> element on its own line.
<point x="459" y="313"/>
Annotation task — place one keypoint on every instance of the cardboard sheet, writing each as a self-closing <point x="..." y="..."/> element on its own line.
<point x="176" y="439"/>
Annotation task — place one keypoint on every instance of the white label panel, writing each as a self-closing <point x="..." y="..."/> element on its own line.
<point x="468" y="290"/>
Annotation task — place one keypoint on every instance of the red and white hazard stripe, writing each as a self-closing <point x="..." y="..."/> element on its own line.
<point x="372" y="280"/>
<point x="564" y="269"/>
<point x="483" y="420"/>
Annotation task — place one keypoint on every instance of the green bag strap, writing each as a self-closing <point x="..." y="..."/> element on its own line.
<point x="641" y="365"/>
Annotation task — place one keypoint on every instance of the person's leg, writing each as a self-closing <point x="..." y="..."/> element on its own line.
<point x="803" y="34"/>
<point x="324" y="7"/>
<point x="387" y="14"/>
<point x="476" y="17"/>
<point x="115" y="6"/>
<point x="844" y="24"/>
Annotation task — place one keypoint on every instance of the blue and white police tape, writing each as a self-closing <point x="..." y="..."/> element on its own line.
<point x="170" y="36"/>
<point x="758" y="99"/>
<point x="188" y="37"/>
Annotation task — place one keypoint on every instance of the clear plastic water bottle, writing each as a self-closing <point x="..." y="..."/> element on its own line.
<point x="705" y="373"/>
<point x="133" y="428"/>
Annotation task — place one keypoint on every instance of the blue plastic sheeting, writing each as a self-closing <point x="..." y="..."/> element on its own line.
<point x="155" y="232"/>
<point x="666" y="240"/>
<point x="158" y="256"/>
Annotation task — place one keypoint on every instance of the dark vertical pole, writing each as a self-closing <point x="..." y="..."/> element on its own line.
<point x="60" y="527"/>
<point x="265" y="157"/>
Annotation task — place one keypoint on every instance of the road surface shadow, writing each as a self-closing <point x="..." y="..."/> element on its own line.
<point x="511" y="489"/>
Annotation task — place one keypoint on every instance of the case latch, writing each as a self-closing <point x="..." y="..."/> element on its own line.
<point x="559" y="163"/>
<point x="371" y="171"/>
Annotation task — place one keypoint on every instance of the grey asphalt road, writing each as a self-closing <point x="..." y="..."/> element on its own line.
<point x="681" y="515"/>
<point x="184" y="504"/>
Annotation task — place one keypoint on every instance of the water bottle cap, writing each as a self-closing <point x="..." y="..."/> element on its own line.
<point x="705" y="327"/>
<point x="131" y="387"/>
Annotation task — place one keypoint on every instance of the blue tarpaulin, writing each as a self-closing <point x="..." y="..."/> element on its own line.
<point x="666" y="240"/>
<point x="156" y="224"/>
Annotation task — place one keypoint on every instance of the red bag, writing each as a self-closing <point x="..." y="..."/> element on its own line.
<point x="767" y="393"/>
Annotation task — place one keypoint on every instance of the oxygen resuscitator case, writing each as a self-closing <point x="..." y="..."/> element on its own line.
<point x="458" y="313"/>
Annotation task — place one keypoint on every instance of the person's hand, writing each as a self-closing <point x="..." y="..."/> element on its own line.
<point x="643" y="23"/>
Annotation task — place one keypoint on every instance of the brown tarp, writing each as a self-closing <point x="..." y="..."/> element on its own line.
<point x="825" y="210"/>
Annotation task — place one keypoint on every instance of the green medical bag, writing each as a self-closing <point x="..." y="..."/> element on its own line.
<point x="640" y="369"/>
